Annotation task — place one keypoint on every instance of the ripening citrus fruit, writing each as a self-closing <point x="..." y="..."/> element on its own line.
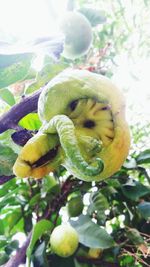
<point x="64" y="240"/>
<point x="78" y="34"/>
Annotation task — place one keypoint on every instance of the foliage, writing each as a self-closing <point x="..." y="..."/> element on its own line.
<point x="116" y="213"/>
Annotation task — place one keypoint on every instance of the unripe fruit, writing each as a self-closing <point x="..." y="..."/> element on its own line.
<point x="64" y="240"/>
<point x="78" y="34"/>
<point x="75" y="206"/>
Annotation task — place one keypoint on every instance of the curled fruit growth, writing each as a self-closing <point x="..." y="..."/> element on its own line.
<point x="64" y="240"/>
<point x="84" y="128"/>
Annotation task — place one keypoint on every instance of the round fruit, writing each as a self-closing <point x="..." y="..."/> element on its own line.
<point x="64" y="240"/>
<point x="75" y="206"/>
<point x="78" y="34"/>
<point x="95" y="253"/>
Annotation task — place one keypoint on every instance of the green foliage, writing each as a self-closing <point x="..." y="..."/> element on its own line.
<point x="7" y="160"/>
<point x="38" y="230"/>
<point x="15" y="71"/>
<point x="90" y="234"/>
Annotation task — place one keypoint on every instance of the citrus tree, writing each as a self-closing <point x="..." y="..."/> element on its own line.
<point x="68" y="207"/>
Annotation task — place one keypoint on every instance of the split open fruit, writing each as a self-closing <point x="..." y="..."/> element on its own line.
<point x="84" y="129"/>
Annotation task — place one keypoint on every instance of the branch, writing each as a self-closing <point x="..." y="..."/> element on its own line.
<point x="4" y="179"/>
<point x="17" y="259"/>
<point x="10" y="119"/>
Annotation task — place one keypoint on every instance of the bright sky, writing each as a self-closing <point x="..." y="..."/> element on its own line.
<point x="28" y="19"/>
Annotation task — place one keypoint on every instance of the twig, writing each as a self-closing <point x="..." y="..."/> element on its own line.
<point x="4" y="179"/>
<point x="27" y="105"/>
<point x="17" y="259"/>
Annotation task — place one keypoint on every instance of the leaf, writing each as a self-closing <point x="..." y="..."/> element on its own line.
<point x="130" y="164"/>
<point x="30" y="122"/>
<point x="90" y="234"/>
<point x="10" y="219"/>
<point x="39" y="258"/>
<point x="10" y="197"/>
<point x="143" y="157"/>
<point x="13" y="245"/>
<point x="15" y="72"/>
<point x="49" y="71"/>
<point x="134" y="236"/>
<point x="93" y="15"/>
<point x="39" y="229"/>
<point x="3" y="258"/>
<point x="134" y="190"/>
<point x="144" y="209"/>
<point x="99" y="204"/>
<point x="7" y="160"/>
<point x="7" y="60"/>
<point x="7" y="96"/>
<point x="3" y="241"/>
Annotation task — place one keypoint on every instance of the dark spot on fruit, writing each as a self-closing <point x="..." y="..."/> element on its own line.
<point x="46" y="158"/>
<point x="73" y="105"/>
<point x="89" y="124"/>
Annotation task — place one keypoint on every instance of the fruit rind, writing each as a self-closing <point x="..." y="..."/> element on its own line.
<point x="64" y="240"/>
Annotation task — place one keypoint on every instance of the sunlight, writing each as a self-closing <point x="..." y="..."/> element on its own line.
<point x="28" y="19"/>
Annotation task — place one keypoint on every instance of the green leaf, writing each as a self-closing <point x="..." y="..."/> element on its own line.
<point x="7" y="96"/>
<point x="144" y="209"/>
<point x="39" y="229"/>
<point x="79" y="264"/>
<point x="134" y="236"/>
<point x="7" y="60"/>
<point x="49" y="71"/>
<point x="30" y="122"/>
<point x="12" y="246"/>
<point x="34" y="200"/>
<point x="11" y="197"/>
<point x="7" y="160"/>
<point x="3" y="258"/>
<point x="99" y="204"/>
<point x="143" y="157"/>
<point x="3" y="241"/>
<point x="10" y="219"/>
<point x="15" y="72"/>
<point x="93" y="15"/>
<point x="134" y="190"/>
<point x="39" y="258"/>
<point x="90" y="234"/>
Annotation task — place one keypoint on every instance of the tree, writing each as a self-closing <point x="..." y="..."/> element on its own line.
<point x="113" y="215"/>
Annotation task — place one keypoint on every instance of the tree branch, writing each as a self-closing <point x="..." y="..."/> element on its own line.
<point x="17" y="259"/>
<point x="4" y="179"/>
<point x="27" y="105"/>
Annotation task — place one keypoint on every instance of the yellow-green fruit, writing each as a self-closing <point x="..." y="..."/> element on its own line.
<point x="75" y="206"/>
<point x="64" y="240"/>
<point x="78" y="34"/>
<point x="95" y="253"/>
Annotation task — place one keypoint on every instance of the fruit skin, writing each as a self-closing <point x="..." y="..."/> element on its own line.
<point x="78" y="34"/>
<point x="74" y="84"/>
<point x="95" y="253"/>
<point x="64" y="240"/>
<point x="99" y="100"/>
<point x="75" y="206"/>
